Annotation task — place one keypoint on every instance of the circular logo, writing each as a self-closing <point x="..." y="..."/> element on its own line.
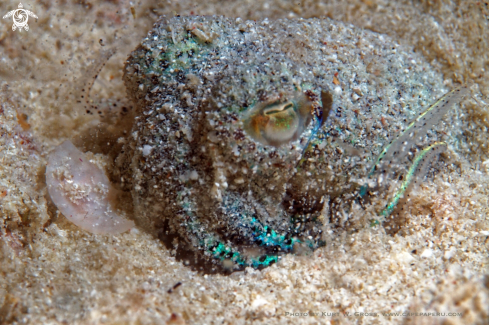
<point x="20" y="17"/>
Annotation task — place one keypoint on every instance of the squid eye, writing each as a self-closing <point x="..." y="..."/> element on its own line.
<point x="276" y="123"/>
<point x="277" y="109"/>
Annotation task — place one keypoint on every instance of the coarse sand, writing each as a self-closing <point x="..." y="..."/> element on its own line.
<point x="51" y="272"/>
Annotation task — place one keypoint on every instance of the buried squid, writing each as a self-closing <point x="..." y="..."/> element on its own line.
<point x="250" y="137"/>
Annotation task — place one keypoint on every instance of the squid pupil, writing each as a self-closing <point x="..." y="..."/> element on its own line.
<point x="274" y="110"/>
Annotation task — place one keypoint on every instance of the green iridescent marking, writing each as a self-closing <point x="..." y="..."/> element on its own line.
<point x="178" y="56"/>
<point x="433" y="149"/>
<point x="221" y="252"/>
<point x="374" y="223"/>
<point x="266" y="236"/>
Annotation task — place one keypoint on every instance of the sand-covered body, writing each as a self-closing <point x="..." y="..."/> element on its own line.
<point x="200" y="172"/>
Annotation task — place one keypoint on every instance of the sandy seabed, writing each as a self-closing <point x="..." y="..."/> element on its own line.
<point x="434" y="272"/>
